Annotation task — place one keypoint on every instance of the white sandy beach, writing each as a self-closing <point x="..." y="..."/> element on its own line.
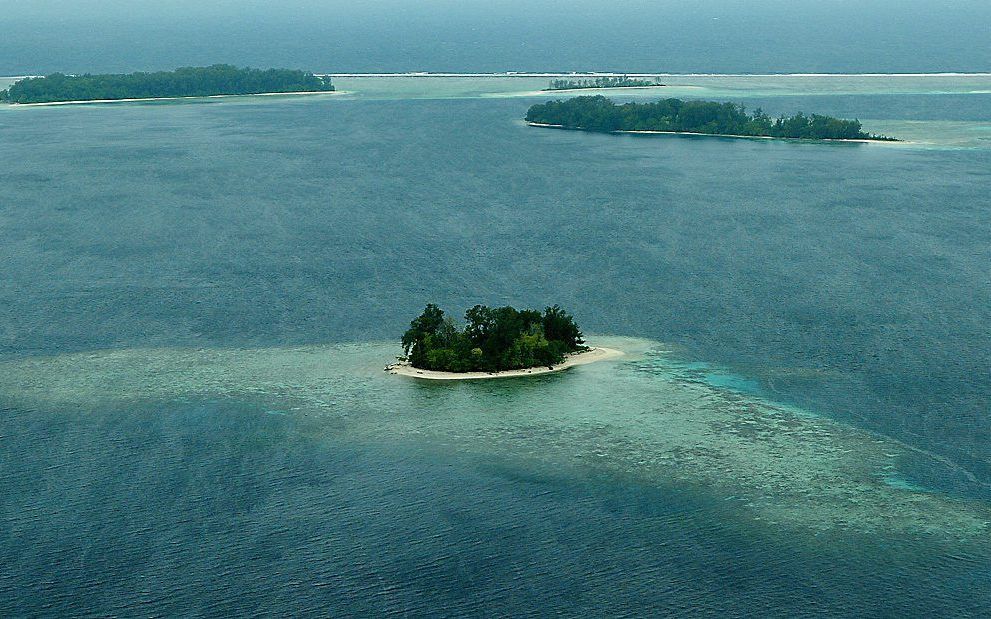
<point x="582" y="358"/>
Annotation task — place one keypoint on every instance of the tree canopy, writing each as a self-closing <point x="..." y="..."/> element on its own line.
<point x="597" y="113"/>
<point x="492" y="339"/>
<point x="219" y="79"/>
<point x="601" y="82"/>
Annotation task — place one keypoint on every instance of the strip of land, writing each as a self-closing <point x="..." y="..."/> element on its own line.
<point x="724" y="119"/>
<point x="146" y="99"/>
<point x="601" y="88"/>
<point x="218" y="79"/>
<point x="720" y="135"/>
<point x="582" y="358"/>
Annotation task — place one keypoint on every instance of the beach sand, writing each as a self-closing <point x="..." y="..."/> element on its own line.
<point x="582" y="358"/>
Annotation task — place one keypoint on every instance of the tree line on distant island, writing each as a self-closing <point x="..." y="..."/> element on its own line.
<point x="492" y="340"/>
<point x="219" y="79"/>
<point x="601" y="82"/>
<point x="597" y="113"/>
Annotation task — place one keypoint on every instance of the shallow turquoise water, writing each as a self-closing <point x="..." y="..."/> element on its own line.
<point x="198" y="300"/>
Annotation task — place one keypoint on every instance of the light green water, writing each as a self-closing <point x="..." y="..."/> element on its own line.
<point x="647" y="416"/>
<point x="412" y="86"/>
<point x="917" y="133"/>
<point x="424" y="86"/>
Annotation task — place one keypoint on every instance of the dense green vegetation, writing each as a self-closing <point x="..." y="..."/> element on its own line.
<point x="492" y="340"/>
<point x="600" y="114"/>
<point x="601" y="82"/>
<point x="218" y="79"/>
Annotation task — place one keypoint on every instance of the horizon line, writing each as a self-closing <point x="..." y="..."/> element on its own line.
<point x="643" y="74"/>
<point x="613" y="74"/>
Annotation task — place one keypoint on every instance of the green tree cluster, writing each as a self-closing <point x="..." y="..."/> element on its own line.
<point x="219" y="79"/>
<point x="601" y="114"/>
<point x="492" y="339"/>
<point x="601" y="82"/>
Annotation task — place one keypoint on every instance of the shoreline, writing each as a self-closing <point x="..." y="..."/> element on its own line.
<point x="716" y="135"/>
<point x="146" y="99"/>
<point x="582" y="358"/>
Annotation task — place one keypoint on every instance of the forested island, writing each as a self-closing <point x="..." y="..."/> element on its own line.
<point x="598" y="113"/>
<point x="492" y="339"/>
<point x="219" y="79"/>
<point x="602" y="82"/>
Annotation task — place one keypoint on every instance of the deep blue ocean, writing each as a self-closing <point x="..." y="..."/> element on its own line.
<point x="197" y="300"/>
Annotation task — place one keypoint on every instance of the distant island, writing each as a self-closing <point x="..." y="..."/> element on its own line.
<point x="501" y="341"/>
<point x="602" y="82"/>
<point x="597" y="113"/>
<point x="219" y="79"/>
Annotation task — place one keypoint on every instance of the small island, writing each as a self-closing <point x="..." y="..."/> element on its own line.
<point x="494" y="342"/>
<point x="674" y="116"/>
<point x="602" y="82"/>
<point x="219" y="79"/>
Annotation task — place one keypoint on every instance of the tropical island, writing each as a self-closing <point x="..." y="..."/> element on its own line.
<point x="598" y="113"/>
<point x="218" y="79"/>
<point x="494" y="342"/>
<point x="602" y="82"/>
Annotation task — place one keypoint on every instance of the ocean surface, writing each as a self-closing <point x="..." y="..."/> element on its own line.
<point x="721" y="36"/>
<point x="197" y="300"/>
